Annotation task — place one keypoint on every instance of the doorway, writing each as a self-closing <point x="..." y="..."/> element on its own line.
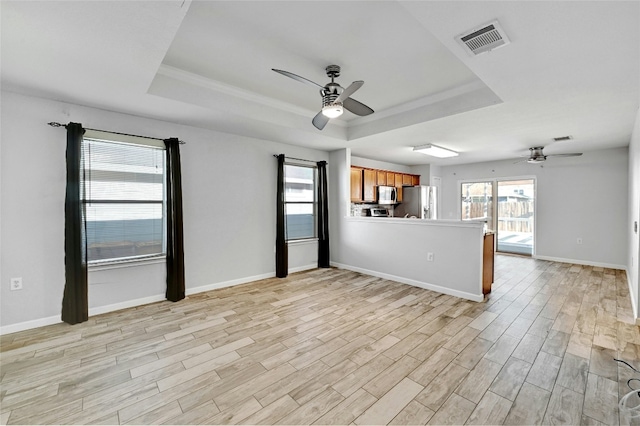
<point x="507" y="206"/>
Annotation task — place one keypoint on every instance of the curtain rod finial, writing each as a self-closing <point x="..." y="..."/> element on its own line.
<point x="54" y="124"/>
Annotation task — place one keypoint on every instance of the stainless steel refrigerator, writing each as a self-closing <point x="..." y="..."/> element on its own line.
<point x="420" y="201"/>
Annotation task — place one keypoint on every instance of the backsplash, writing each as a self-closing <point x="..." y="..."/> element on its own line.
<point x="360" y="209"/>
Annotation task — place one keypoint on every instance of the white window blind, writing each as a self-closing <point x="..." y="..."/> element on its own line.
<point x="124" y="195"/>
<point x="300" y="201"/>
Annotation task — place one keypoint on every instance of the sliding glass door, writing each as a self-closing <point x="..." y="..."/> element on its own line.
<point x="515" y="216"/>
<point x="477" y="202"/>
<point x="507" y="207"/>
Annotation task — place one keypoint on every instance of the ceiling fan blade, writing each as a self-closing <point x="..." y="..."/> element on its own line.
<point x="349" y="90"/>
<point x="358" y="108"/>
<point x="296" y="77"/>
<point x="320" y="120"/>
<point x="573" y="154"/>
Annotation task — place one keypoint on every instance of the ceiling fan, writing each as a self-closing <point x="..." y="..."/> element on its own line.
<point x="334" y="97"/>
<point x="537" y="156"/>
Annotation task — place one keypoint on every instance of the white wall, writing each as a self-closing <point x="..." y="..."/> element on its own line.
<point x="422" y="170"/>
<point x="583" y="197"/>
<point x="339" y="197"/>
<point x="382" y="165"/>
<point x="633" y="260"/>
<point x="229" y="186"/>
<point x="396" y="249"/>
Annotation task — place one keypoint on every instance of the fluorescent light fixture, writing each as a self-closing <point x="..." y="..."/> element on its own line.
<point x="435" y="151"/>
<point x="332" y="110"/>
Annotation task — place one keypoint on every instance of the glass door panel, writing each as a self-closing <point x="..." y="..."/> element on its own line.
<point x="515" y="216"/>
<point x="477" y="202"/>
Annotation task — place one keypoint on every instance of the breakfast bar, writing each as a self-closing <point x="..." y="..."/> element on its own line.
<point x="446" y="256"/>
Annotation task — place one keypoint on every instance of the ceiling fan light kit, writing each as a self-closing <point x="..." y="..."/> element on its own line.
<point x="435" y="151"/>
<point x="332" y="110"/>
<point x="335" y="98"/>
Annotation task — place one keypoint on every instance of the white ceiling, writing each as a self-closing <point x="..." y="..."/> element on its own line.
<point x="572" y="68"/>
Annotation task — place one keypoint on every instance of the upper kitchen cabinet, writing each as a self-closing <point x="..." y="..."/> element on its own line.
<point x="356" y="184"/>
<point x="390" y="181"/>
<point x="365" y="180"/>
<point x="369" y="185"/>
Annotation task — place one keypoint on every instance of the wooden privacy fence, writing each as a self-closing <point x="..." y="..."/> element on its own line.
<point x="515" y="216"/>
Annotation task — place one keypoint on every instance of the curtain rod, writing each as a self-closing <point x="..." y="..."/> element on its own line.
<point x="298" y="159"/>
<point x="54" y="124"/>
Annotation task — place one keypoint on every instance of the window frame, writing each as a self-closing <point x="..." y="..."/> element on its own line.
<point x="313" y="203"/>
<point x="124" y="140"/>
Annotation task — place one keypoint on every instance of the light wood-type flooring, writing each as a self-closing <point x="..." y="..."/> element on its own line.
<point x="330" y="346"/>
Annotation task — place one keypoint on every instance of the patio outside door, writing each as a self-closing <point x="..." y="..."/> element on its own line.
<point x="508" y="208"/>
<point x="515" y="216"/>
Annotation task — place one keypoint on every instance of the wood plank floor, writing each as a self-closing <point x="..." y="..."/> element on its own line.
<point x="337" y="347"/>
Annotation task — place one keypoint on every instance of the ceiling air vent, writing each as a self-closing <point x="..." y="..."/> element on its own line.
<point x="562" y="138"/>
<point x="483" y="39"/>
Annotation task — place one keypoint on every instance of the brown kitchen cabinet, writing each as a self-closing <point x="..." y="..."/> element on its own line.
<point x="391" y="179"/>
<point x="369" y="185"/>
<point x="365" y="180"/>
<point x="398" y="180"/>
<point x="356" y="184"/>
<point x="487" y="262"/>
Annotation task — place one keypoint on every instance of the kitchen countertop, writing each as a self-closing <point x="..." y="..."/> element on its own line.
<point x="419" y="222"/>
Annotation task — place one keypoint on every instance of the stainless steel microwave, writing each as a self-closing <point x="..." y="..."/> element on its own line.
<point x="387" y="195"/>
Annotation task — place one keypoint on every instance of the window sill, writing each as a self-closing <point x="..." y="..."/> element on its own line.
<point x="117" y="264"/>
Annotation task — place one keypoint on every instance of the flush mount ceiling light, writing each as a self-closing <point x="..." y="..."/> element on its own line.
<point x="435" y="151"/>
<point x="332" y="110"/>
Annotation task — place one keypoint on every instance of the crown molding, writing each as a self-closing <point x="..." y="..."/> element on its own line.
<point x="234" y="91"/>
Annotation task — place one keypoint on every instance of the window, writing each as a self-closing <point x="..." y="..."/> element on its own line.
<point x="124" y="192"/>
<point x="300" y="201"/>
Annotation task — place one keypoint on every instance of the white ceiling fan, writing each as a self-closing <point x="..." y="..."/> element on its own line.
<point x="536" y="155"/>
<point x="334" y="97"/>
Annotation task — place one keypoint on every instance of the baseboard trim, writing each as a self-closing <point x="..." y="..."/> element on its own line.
<point x="42" y="322"/>
<point x="420" y="284"/>
<point x="99" y="310"/>
<point x="302" y="268"/>
<point x="230" y="283"/>
<point x="27" y="325"/>
<point x="245" y="280"/>
<point x="581" y="262"/>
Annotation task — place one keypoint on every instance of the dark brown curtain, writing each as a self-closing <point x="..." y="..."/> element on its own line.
<point x="282" y="250"/>
<point x="323" y="216"/>
<point x="175" y="236"/>
<point x="75" y="301"/>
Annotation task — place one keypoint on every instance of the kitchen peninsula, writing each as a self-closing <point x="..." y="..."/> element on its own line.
<point x="445" y="256"/>
<point x="440" y="255"/>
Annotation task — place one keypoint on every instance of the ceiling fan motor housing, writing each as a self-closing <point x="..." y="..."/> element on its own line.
<point x="536" y="155"/>
<point x="330" y="93"/>
<point x="333" y="71"/>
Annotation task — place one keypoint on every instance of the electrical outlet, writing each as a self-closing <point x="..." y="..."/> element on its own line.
<point x="429" y="257"/>
<point x="16" y="283"/>
<point x="579" y="241"/>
